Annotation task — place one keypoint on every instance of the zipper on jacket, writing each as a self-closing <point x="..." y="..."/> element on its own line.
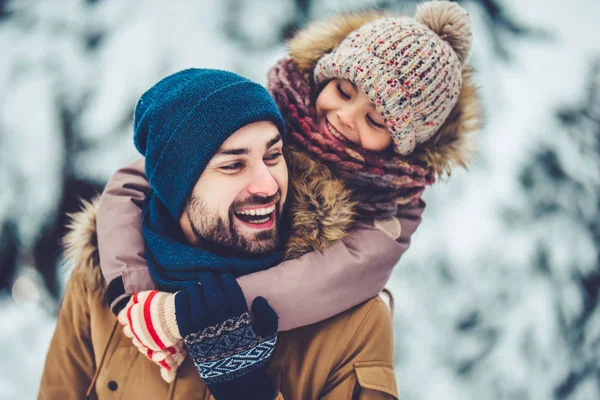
<point x="95" y="377"/>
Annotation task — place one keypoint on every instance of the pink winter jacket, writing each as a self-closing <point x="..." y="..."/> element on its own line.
<point x="303" y="291"/>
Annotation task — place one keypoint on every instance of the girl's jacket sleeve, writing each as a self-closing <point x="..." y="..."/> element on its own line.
<point x="303" y="291"/>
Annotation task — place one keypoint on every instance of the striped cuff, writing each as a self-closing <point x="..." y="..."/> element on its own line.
<point x="170" y="318"/>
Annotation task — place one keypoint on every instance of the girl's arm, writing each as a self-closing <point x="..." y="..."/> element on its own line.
<point x="319" y="285"/>
<point x="120" y="240"/>
<point x="309" y="289"/>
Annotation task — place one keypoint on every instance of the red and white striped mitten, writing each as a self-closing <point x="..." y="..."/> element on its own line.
<point x="168" y="360"/>
<point x="149" y="321"/>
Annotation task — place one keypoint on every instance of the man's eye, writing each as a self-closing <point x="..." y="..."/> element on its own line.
<point x="372" y="122"/>
<point x="341" y="92"/>
<point x="232" y="167"/>
<point x="273" y="156"/>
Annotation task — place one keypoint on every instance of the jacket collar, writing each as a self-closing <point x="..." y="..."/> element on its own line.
<point x="81" y="243"/>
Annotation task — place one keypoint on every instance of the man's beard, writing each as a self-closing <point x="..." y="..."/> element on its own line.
<point x="219" y="237"/>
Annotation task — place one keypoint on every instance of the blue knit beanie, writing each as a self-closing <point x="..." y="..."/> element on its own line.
<point x="181" y="122"/>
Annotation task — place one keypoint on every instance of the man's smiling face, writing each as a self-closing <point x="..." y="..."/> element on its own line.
<point x="238" y="200"/>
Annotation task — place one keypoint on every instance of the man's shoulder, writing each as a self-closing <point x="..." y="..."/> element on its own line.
<point x="363" y="317"/>
<point x="372" y="308"/>
<point x="87" y="278"/>
<point x="362" y="333"/>
<point x="353" y="324"/>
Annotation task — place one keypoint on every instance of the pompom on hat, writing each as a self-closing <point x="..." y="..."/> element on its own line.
<point x="411" y="68"/>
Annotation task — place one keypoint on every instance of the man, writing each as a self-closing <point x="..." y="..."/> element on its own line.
<point x="215" y="192"/>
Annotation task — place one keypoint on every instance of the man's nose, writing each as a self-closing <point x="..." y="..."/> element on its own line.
<point x="263" y="183"/>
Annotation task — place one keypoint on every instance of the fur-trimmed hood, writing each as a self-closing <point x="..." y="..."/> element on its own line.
<point x="453" y="145"/>
<point x="81" y="243"/>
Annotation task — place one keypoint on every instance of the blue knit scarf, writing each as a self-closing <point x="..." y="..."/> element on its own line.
<point x="174" y="264"/>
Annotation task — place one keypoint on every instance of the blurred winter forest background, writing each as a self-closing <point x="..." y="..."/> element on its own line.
<point x="498" y="297"/>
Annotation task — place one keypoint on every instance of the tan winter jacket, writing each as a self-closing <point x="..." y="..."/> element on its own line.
<point x="348" y="356"/>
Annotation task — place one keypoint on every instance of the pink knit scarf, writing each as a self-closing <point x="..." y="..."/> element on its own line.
<point x="380" y="181"/>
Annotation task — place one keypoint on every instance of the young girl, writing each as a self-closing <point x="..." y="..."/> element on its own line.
<point x="376" y="107"/>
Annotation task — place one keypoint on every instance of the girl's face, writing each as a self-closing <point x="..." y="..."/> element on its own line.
<point x="346" y="112"/>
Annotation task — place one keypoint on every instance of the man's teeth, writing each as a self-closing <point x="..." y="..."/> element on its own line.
<point x="258" y="211"/>
<point x="260" y="221"/>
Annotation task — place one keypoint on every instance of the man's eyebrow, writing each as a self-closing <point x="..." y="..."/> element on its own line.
<point x="273" y="141"/>
<point x="233" y="152"/>
<point x="242" y="151"/>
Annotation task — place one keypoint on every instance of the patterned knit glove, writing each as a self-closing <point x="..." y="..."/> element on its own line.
<point x="148" y="320"/>
<point x="231" y="351"/>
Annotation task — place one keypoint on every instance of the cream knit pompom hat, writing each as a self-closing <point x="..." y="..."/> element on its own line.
<point x="410" y="68"/>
